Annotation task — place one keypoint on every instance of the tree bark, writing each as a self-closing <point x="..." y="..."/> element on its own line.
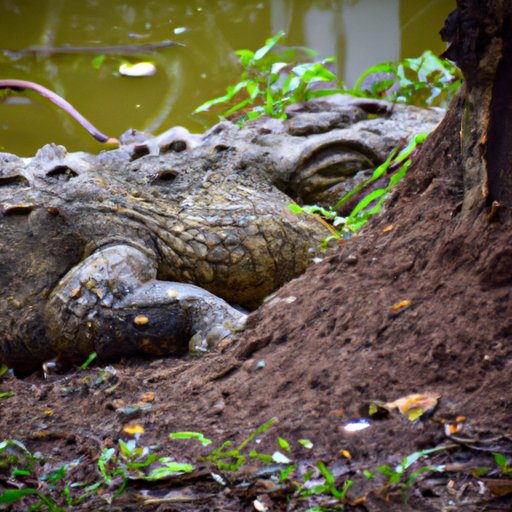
<point x="480" y="37"/>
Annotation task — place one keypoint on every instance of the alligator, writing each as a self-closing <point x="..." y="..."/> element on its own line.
<point x="155" y="247"/>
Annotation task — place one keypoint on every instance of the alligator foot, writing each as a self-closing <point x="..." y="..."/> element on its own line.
<point x="112" y="304"/>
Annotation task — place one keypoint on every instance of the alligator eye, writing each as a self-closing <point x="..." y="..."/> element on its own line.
<point x="62" y="173"/>
<point x="330" y="164"/>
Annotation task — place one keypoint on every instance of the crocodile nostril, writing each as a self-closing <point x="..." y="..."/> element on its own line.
<point x="17" y="180"/>
<point x="62" y="173"/>
<point x="167" y="176"/>
<point x="17" y="209"/>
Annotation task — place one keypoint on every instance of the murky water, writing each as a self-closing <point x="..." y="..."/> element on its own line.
<point x="358" y="33"/>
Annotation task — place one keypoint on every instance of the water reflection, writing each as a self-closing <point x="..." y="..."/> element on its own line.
<point x="358" y="33"/>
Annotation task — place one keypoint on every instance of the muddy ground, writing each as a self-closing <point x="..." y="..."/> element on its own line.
<point x="314" y="357"/>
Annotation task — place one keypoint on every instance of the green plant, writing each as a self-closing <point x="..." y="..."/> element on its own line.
<point x="231" y="459"/>
<point x="424" y="81"/>
<point x="396" y="165"/>
<point x="400" y="475"/>
<point x="117" y="466"/>
<point x="329" y="485"/>
<point x="503" y="464"/>
<point x="130" y="461"/>
<point x="271" y="80"/>
<point x="88" y="361"/>
<point x="22" y="464"/>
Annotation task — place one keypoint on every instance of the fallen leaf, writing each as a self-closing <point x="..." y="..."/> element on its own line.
<point x="498" y="486"/>
<point x="3" y="369"/>
<point x="454" y="429"/>
<point x="415" y="405"/>
<point x="223" y="343"/>
<point x="401" y="305"/>
<point x="259" y="506"/>
<point x="346" y="454"/>
<point x="134" y="429"/>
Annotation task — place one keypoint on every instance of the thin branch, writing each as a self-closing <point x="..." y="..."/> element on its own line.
<point x="21" y="85"/>
<point x="126" y="49"/>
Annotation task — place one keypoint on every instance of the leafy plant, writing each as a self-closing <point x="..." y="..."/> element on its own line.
<point x="22" y="464"/>
<point x="130" y="461"/>
<point x="191" y="435"/>
<point x="88" y="361"/>
<point x="400" y="475"/>
<point x="424" y="81"/>
<point x="231" y="459"/>
<point x="371" y="203"/>
<point x="329" y="485"/>
<point x="503" y="464"/>
<point x="271" y="80"/>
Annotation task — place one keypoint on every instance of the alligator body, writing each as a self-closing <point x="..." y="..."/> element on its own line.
<point x="140" y="249"/>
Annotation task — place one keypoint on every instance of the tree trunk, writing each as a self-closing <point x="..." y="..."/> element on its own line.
<point x="480" y="37"/>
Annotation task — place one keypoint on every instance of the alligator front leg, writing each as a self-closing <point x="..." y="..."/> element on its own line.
<point x="112" y="304"/>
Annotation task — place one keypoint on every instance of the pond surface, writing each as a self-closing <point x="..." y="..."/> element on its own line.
<point x="359" y="33"/>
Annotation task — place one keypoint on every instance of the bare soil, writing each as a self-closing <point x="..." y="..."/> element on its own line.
<point x="315" y="356"/>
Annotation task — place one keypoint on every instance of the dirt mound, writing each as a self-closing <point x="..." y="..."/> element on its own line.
<point x="418" y="302"/>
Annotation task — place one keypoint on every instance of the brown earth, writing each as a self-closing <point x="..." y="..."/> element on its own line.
<point x="314" y="357"/>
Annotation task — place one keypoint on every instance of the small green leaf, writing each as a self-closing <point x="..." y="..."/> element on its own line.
<point x="246" y="57"/>
<point x="105" y="457"/>
<point x="385" y="67"/>
<point x="265" y="457"/>
<point x="6" y="394"/>
<point x="9" y="443"/>
<point x="306" y="443"/>
<point x="21" y="472"/>
<point x="500" y="459"/>
<point x="89" y="360"/>
<point x="480" y="471"/>
<point x="284" y="444"/>
<point x="269" y="44"/>
<point x="368" y="474"/>
<point x="231" y="92"/>
<point x="127" y="448"/>
<point x="3" y="369"/>
<point x="98" y="61"/>
<point x="12" y="495"/>
<point x="386" y="470"/>
<point x="191" y="435"/>
<point x="169" y="469"/>
<point x="286" y="472"/>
